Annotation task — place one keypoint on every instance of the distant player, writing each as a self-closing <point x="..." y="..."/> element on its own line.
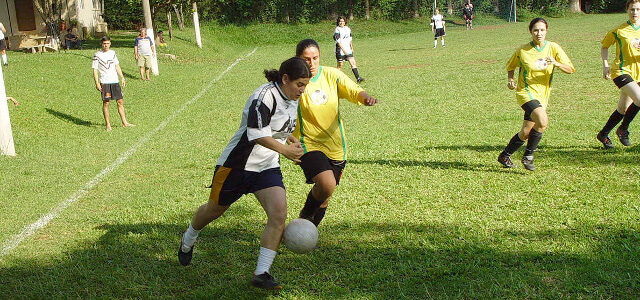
<point x="437" y="27"/>
<point x="250" y="164"/>
<point x="143" y="51"/>
<point x="625" y="74"/>
<point x="344" y="46"/>
<point x="467" y="14"/>
<point x="537" y="60"/>
<point x="106" y="70"/>
<point x="3" y="45"/>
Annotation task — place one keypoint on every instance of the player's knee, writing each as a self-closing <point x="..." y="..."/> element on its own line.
<point x="326" y="188"/>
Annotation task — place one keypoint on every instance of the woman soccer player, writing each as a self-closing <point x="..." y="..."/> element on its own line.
<point x="250" y="164"/>
<point x="437" y="27"/>
<point x="625" y="74"/>
<point x="344" y="46"/>
<point x="537" y="61"/>
<point x="320" y="129"/>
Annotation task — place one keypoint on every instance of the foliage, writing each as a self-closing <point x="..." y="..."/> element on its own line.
<point x="607" y="6"/>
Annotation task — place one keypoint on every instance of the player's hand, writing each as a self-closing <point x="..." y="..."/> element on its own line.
<point x="136" y="57"/>
<point x="292" y="139"/>
<point x="99" y="88"/>
<point x="123" y="82"/>
<point x="511" y="84"/>
<point x="369" y="101"/>
<point x="293" y="152"/>
<point x="551" y="60"/>
<point x="605" y="73"/>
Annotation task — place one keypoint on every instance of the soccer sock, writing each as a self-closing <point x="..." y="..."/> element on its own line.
<point x="319" y="215"/>
<point x="631" y="113"/>
<point x="265" y="259"/>
<point x="4" y="59"/>
<point x="513" y="145"/>
<point x="355" y="72"/>
<point x="310" y="207"/>
<point x="442" y="42"/>
<point x="435" y="43"/>
<point x="189" y="238"/>
<point x="532" y="144"/>
<point x="614" y="119"/>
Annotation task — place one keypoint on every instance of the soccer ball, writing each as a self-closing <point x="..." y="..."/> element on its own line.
<point x="300" y="236"/>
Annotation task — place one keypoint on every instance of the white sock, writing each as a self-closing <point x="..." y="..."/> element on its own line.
<point x="4" y="59"/>
<point x="442" y="42"/>
<point x="265" y="259"/>
<point x="189" y="238"/>
<point x="435" y="43"/>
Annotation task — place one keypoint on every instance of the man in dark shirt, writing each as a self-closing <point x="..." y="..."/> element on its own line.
<point x="71" y="40"/>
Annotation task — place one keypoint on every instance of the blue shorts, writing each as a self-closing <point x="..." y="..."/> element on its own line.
<point x="228" y="185"/>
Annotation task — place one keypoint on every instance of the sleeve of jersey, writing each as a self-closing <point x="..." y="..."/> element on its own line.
<point x="336" y="35"/>
<point x="608" y="40"/>
<point x="94" y="62"/>
<point x="259" y="117"/>
<point x="135" y="42"/>
<point x="115" y="59"/>
<point x="347" y="89"/>
<point x="562" y="57"/>
<point x="514" y="61"/>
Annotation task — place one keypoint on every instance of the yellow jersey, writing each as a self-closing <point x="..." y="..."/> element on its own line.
<point x="627" y="40"/>
<point x="319" y="126"/>
<point x="535" y="76"/>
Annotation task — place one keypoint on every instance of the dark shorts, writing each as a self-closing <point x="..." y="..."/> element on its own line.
<point x="341" y="58"/>
<point x="3" y="44"/>
<point x="316" y="162"/>
<point x="622" y="80"/>
<point x="111" y="91"/>
<point x="228" y="185"/>
<point x="528" y="108"/>
<point x="439" y="32"/>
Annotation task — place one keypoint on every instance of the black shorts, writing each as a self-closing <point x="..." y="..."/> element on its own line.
<point x="341" y="58"/>
<point x="3" y="44"/>
<point x="111" y="91"/>
<point x="439" y="32"/>
<point x="528" y="108"/>
<point x="228" y="185"/>
<point x="622" y="80"/>
<point x="316" y="162"/>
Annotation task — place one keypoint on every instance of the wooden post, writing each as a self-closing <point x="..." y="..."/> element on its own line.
<point x="196" y="24"/>
<point x="6" y="137"/>
<point x="148" y="24"/>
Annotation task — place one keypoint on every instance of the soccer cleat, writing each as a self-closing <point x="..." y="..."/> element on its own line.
<point x="359" y="80"/>
<point x="265" y="281"/>
<point x="605" y="140"/>
<point x="184" y="257"/>
<point x="623" y="136"/>
<point x="505" y="160"/>
<point x="527" y="162"/>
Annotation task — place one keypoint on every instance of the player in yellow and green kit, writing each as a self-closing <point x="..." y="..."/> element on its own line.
<point x="625" y="73"/>
<point x="320" y="128"/>
<point x="537" y="60"/>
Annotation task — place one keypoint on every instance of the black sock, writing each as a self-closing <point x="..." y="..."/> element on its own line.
<point x="532" y="144"/>
<point x="513" y="145"/>
<point x="614" y="119"/>
<point x="355" y="72"/>
<point x="631" y="113"/>
<point x="310" y="208"/>
<point x="319" y="215"/>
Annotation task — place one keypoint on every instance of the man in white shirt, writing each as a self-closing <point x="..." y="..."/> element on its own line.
<point x="3" y="45"/>
<point x="143" y="50"/>
<point x="437" y="26"/>
<point x="106" y="70"/>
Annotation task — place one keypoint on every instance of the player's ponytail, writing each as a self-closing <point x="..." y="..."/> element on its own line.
<point x="294" y="67"/>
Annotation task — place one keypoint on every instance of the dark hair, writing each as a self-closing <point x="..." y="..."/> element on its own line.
<point x="304" y="44"/>
<point x="341" y="18"/>
<point x="104" y="39"/>
<point x="295" y="67"/>
<point x="629" y="2"/>
<point x="69" y="30"/>
<point x="536" y="20"/>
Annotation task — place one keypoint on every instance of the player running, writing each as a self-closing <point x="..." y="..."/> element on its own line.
<point x="537" y="60"/>
<point x="250" y="164"/>
<point x="320" y="128"/>
<point x="344" y="46"/>
<point x="625" y="74"/>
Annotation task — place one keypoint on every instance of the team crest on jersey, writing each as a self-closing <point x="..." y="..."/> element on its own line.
<point x="541" y="64"/>
<point x="318" y="97"/>
<point x="635" y="43"/>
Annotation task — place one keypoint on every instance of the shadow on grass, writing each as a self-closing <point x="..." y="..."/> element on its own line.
<point x="355" y="260"/>
<point x="70" y="118"/>
<point x="429" y="164"/>
<point x="407" y="49"/>
<point x="128" y="75"/>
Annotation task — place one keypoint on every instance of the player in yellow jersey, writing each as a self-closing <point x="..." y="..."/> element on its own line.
<point x="625" y="73"/>
<point x="537" y="60"/>
<point x="320" y="128"/>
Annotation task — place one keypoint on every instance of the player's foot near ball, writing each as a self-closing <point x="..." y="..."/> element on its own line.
<point x="527" y="162"/>
<point x="184" y="257"/>
<point x="623" y="136"/>
<point x="265" y="281"/>
<point x="605" y="140"/>
<point x="505" y="160"/>
<point x="359" y="80"/>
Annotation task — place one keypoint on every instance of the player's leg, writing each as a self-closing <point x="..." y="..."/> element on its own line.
<point x="105" y="113"/>
<point x="147" y="73"/>
<point x="123" y="118"/>
<point x="631" y="90"/>
<point x="339" y="60"/>
<point x="4" y="54"/>
<point x="618" y="114"/>
<point x="354" y="68"/>
<point x="540" y="118"/>
<point x="141" y="68"/>
<point x="318" y="169"/>
<point x="442" y="40"/>
<point x="435" y="41"/>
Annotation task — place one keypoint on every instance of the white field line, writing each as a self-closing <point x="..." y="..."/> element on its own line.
<point x="14" y="241"/>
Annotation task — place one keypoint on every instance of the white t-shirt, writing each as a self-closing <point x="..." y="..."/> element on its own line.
<point x="437" y="21"/>
<point x="1" y="33"/>
<point x="105" y="63"/>
<point x="342" y="36"/>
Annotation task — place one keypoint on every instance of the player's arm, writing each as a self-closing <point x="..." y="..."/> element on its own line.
<point x="365" y="99"/>
<point x="119" y="71"/>
<point x="351" y="45"/>
<point x="135" y="51"/>
<point x="153" y="49"/>
<point x="511" y="84"/>
<point x="15" y="102"/>
<point x="566" y="68"/>
<point x="2" y="28"/>
<point x="96" y="80"/>
<point x="291" y="151"/>
<point x="604" y="54"/>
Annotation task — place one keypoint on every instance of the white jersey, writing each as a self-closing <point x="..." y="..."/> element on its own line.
<point x="342" y="36"/>
<point x="437" y="21"/>
<point x="267" y="112"/>
<point x="105" y="63"/>
<point x="1" y="33"/>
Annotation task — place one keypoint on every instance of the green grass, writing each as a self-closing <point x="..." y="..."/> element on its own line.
<point x="423" y="209"/>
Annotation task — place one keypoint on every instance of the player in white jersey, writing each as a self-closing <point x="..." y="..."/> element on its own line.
<point x="3" y="44"/>
<point x="437" y="27"/>
<point x="250" y="164"/>
<point x="344" y="46"/>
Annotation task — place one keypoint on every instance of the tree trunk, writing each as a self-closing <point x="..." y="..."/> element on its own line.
<point x="496" y="6"/>
<point x="574" y="6"/>
<point x="366" y="9"/>
<point x="196" y="24"/>
<point x="350" y="3"/>
<point x="169" y="25"/>
<point x="179" y="16"/>
<point x="415" y="9"/>
<point x="450" y="8"/>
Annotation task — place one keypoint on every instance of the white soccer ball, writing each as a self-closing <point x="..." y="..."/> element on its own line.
<point x="300" y="236"/>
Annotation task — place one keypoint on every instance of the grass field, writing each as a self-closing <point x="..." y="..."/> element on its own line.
<point x="423" y="209"/>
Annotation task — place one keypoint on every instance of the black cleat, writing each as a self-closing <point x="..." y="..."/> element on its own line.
<point x="265" y="281"/>
<point x="184" y="257"/>
<point x="623" y="136"/>
<point x="505" y="160"/>
<point x="605" y="140"/>
<point x="527" y="162"/>
<point x="359" y="80"/>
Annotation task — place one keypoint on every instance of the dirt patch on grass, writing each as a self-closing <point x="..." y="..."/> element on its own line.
<point x="481" y="61"/>
<point x="407" y="67"/>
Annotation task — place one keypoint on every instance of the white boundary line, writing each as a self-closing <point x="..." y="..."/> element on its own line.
<point x="14" y="241"/>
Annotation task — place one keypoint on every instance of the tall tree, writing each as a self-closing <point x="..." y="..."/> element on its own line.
<point x="574" y="6"/>
<point x="350" y="3"/>
<point x="50" y="12"/>
<point x="366" y="9"/>
<point x="414" y="7"/>
<point x="450" y="8"/>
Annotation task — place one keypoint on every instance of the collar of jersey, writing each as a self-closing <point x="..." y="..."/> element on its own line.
<point x="634" y="27"/>
<point x="534" y="46"/>
<point x="317" y="74"/>
<point x="280" y="91"/>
